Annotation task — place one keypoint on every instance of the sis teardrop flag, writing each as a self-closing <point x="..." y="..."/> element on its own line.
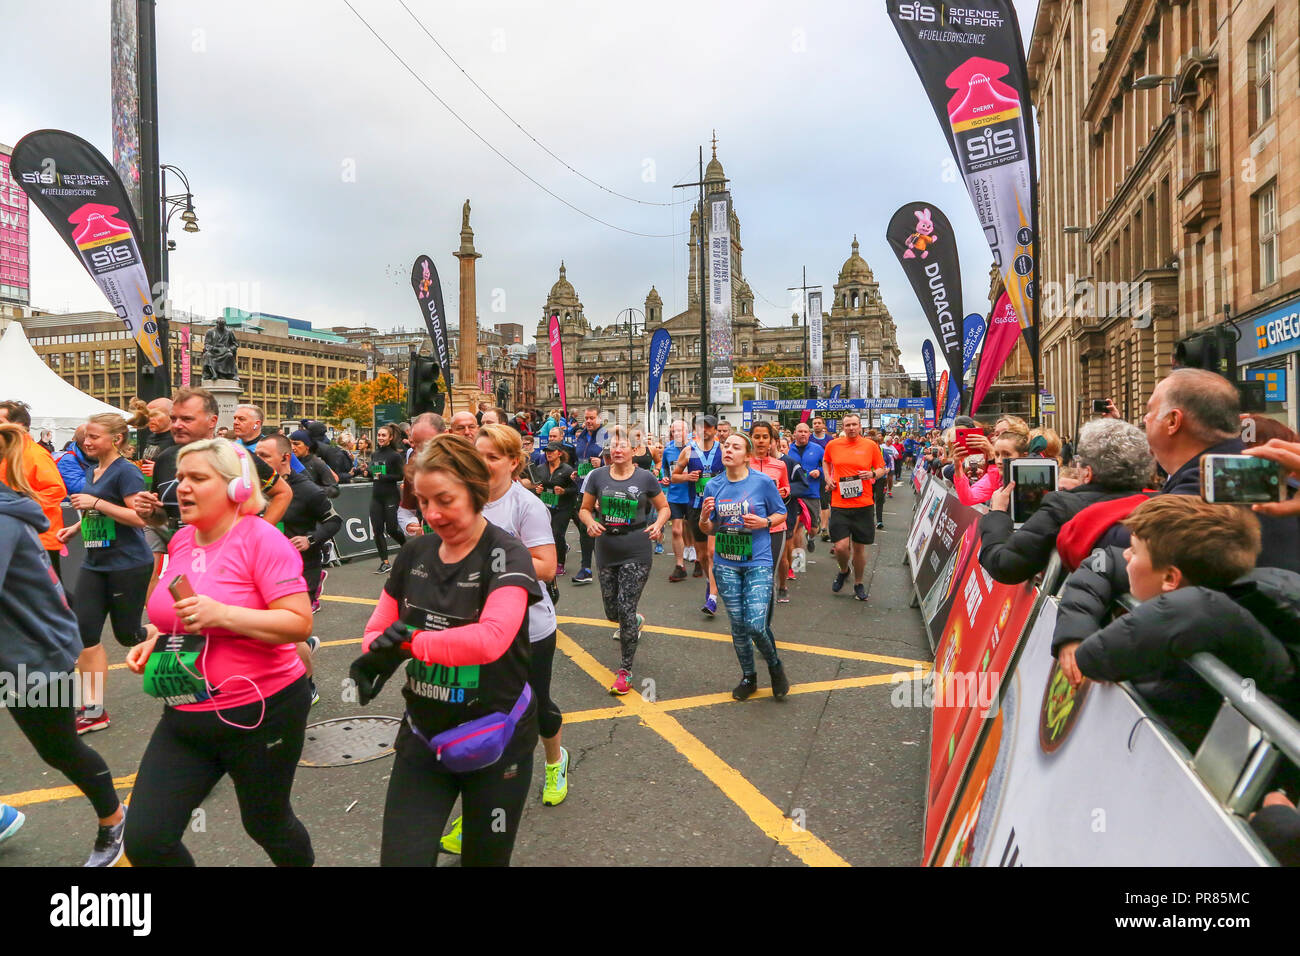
<point x="80" y="193"/>
<point x="972" y="64"/>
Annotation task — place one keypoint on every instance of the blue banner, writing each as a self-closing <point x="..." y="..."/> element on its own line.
<point x="660" y="343"/>
<point x="835" y="392"/>
<point x="834" y="404"/>
<point x="973" y="333"/>
<point x="950" y="413"/>
<point x="927" y="356"/>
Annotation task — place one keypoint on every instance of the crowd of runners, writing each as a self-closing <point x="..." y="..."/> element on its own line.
<point x="207" y="557"/>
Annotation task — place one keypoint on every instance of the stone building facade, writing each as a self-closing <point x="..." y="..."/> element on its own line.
<point x="617" y="354"/>
<point x="1166" y="205"/>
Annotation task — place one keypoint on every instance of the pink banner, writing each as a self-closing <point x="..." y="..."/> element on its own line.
<point x="999" y="343"/>
<point x="557" y="361"/>
<point x="185" y="357"/>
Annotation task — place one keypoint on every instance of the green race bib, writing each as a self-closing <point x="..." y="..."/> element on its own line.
<point x="98" y="530"/>
<point x="584" y="469"/>
<point x="702" y="482"/>
<point x="378" y="469"/>
<point x="550" y="498"/>
<point x="172" y="671"/>
<point x="439" y="682"/>
<point x="617" y="510"/>
<point x="734" y="545"/>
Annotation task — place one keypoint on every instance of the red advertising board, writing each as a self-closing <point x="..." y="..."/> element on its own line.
<point x="978" y="640"/>
<point x="15" y="246"/>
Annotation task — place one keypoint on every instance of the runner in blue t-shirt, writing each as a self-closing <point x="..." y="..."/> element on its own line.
<point x="679" y="500"/>
<point x="701" y="461"/>
<point x="739" y="508"/>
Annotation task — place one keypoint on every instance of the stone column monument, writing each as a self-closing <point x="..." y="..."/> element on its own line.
<point x="466" y="394"/>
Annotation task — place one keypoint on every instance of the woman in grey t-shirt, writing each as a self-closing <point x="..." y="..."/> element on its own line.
<point x="623" y="496"/>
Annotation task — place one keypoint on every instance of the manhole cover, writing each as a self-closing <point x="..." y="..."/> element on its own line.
<point x="348" y="740"/>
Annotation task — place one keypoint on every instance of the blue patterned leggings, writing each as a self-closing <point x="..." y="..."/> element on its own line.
<point x="747" y="595"/>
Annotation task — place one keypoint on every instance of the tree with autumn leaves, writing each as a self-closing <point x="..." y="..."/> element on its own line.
<point x="357" y="400"/>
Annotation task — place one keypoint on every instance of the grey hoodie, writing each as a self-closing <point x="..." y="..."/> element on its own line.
<point x="37" y="628"/>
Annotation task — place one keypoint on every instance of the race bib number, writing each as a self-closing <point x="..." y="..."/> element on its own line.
<point x="550" y="498"/>
<point x="850" y="487"/>
<point x="584" y="469"/>
<point x="172" y="673"/>
<point x="702" y="482"/>
<point x="617" y="510"/>
<point x="98" y="530"/>
<point x="378" y="468"/>
<point x="439" y="682"/>
<point x="734" y="545"/>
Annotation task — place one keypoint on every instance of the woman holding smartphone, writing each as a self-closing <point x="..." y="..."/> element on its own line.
<point x="455" y="609"/>
<point x="221" y="656"/>
<point x="115" y="575"/>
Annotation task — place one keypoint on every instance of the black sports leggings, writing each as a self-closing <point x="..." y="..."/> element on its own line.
<point x="421" y="793"/>
<point x="383" y="516"/>
<point x="53" y="732"/>
<point x="191" y="750"/>
<point x="560" y="519"/>
<point x="880" y="490"/>
<point x="549" y="717"/>
<point x="118" y="595"/>
<point x="586" y="542"/>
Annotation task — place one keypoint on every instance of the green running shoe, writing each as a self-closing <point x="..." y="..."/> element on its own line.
<point x="557" y="781"/>
<point x="451" y="842"/>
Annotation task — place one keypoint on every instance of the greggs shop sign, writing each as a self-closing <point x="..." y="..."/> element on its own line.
<point x="1273" y="333"/>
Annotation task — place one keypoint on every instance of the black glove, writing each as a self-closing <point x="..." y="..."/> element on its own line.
<point x="371" y="670"/>
<point x="393" y="637"/>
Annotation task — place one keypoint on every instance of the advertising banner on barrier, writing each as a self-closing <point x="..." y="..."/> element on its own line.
<point x="923" y="519"/>
<point x="1082" y="778"/>
<point x="979" y="638"/>
<point x="83" y="198"/>
<point x="955" y="536"/>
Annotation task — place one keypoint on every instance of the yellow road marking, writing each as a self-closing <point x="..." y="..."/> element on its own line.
<point x="766" y="815"/>
<point x="28" y="797"/>
<point x="783" y="645"/>
<point x="344" y="599"/>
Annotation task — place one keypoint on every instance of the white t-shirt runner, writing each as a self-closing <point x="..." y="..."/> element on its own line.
<point x="522" y="513"/>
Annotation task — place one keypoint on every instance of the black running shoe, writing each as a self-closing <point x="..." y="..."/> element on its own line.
<point x="679" y="574"/>
<point x="838" y="584"/>
<point x="812" y="543"/>
<point x="699" y="570"/>
<point x="746" y="688"/>
<point x="859" y="592"/>
<point x="780" y="684"/>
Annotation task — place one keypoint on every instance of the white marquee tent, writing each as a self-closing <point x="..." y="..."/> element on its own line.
<point x="55" y="404"/>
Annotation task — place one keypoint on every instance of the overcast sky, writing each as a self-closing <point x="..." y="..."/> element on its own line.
<point x="321" y="168"/>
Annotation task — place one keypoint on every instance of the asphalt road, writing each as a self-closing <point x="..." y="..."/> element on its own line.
<point x="679" y="775"/>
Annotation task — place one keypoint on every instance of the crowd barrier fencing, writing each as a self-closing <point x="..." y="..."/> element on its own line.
<point x="1025" y="770"/>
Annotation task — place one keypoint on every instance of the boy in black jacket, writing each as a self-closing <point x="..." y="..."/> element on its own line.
<point x="1192" y="565"/>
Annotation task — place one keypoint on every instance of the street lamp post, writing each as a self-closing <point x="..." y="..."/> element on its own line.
<point x="631" y="314"/>
<point x="168" y="207"/>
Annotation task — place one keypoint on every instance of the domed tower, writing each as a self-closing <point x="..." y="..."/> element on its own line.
<point x="654" y="310"/>
<point x="563" y="301"/>
<point x="856" y="306"/>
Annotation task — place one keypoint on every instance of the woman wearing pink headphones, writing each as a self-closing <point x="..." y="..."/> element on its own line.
<point x="220" y="654"/>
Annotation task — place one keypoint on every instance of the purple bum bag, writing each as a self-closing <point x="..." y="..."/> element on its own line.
<point x="478" y="743"/>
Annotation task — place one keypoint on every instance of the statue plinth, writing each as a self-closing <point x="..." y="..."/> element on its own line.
<point x="226" y="392"/>
<point x="465" y="398"/>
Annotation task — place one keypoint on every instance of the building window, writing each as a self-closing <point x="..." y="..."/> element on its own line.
<point x="1266" y="230"/>
<point x="1209" y="141"/>
<point x="1261" y="61"/>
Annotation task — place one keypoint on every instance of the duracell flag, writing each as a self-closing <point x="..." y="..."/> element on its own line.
<point x="80" y="193"/>
<point x="428" y="293"/>
<point x="972" y="64"/>
<point x="922" y="238"/>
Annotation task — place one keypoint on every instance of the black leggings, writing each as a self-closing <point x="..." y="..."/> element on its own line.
<point x="585" y="541"/>
<point x="620" y="591"/>
<point x="549" y="717"/>
<point x="421" y="793"/>
<point x="383" y="516"/>
<point x="560" y="519"/>
<point x="117" y="595"/>
<point x="191" y="750"/>
<point x="53" y="732"/>
<point x="880" y="489"/>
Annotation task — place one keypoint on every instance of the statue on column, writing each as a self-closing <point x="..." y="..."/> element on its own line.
<point x="464" y="216"/>
<point x="219" y="348"/>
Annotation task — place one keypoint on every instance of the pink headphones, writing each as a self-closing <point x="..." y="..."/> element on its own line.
<point x="241" y="489"/>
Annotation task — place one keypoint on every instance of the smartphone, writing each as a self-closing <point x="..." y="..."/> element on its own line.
<point x="1240" y="479"/>
<point x="1034" y="477"/>
<point x="961" y="434"/>
<point x="181" y="588"/>
<point x="1100" y="405"/>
